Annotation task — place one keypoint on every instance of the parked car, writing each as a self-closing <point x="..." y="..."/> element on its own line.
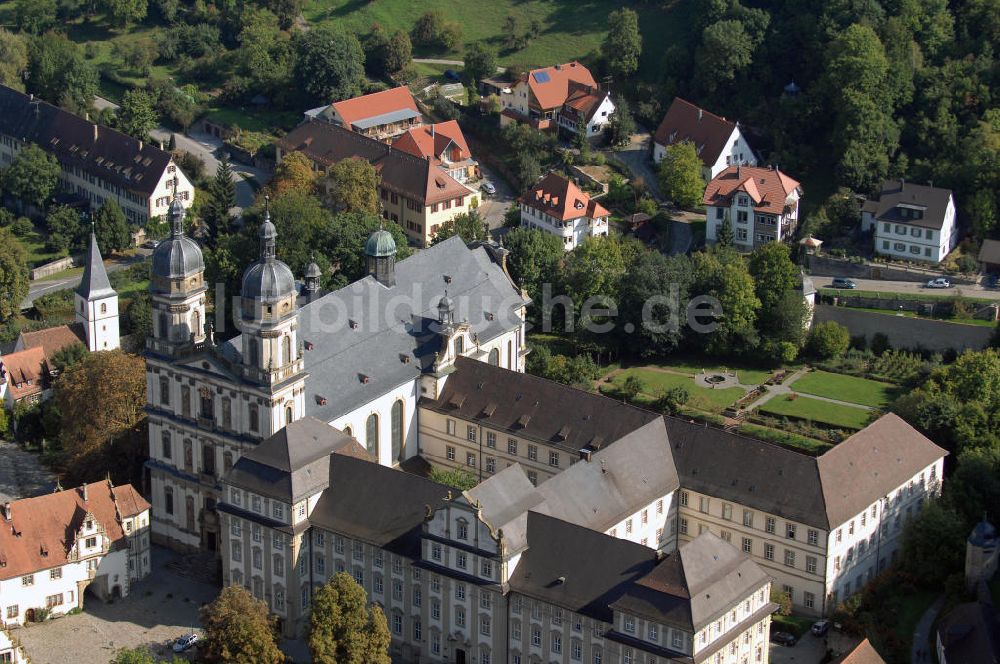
<point x="151" y="244"/>
<point x="940" y="282"/>
<point x="185" y="642"/>
<point x="452" y="75"/>
<point x="842" y="282"/>
<point x="488" y="188"/>
<point x="783" y="638"/>
<point x="820" y="627"/>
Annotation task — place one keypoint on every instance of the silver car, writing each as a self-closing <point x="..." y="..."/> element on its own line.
<point x="940" y="282"/>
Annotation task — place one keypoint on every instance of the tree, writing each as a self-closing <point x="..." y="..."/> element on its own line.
<point x="652" y="302"/>
<point x="726" y="50"/>
<point x="467" y="225"/>
<point x="622" y="125"/>
<point x="352" y="186"/>
<point x="139" y="316"/>
<point x="126" y="12"/>
<point x="64" y="227"/>
<point x="265" y="53"/>
<point x="680" y="175"/>
<point x="329" y="63"/>
<point x="623" y="44"/>
<point x="138" y="55"/>
<point x="221" y="199"/>
<point x="59" y="73"/>
<point x="534" y="259"/>
<point x="343" y="629"/>
<point x="140" y="655"/>
<point x="69" y="355"/>
<point x="35" y="16"/>
<point x="349" y="234"/>
<point x="286" y="11"/>
<point x="32" y="176"/>
<point x="111" y="228"/>
<point x="431" y="30"/>
<point x="933" y="544"/>
<point x="670" y="400"/>
<point x="239" y="630"/>
<point x="724" y="236"/>
<point x="113" y="436"/>
<point x="480" y="61"/>
<point x="722" y="274"/>
<point x="13" y="59"/>
<point x="136" y="116"/>
<point x="828" y="340"/>
<point x="294" y="173"/>
<point x="773" y="271"/>
<point x="13" y="274"/>
<point x="632" y="387"/>
<point x="457" y="478"/>
<point x="398" y="52"/>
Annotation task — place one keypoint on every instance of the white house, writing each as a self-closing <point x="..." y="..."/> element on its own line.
<point x="98" y="163"/>
<point x="55" y="546"/>
<point x="564" y="96"/>
<point x="761" y="205"/>
<point x="911" y="221"/>
<point x="718" y="141"/>
<point x="557" y="206"/>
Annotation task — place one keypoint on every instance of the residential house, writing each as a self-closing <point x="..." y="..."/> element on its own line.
<point x="911" y="221"/>
<point x="863" y="653"/>
<point x="380" y="115"/>
<point x="415" y="193"/>
<point x="718" y="141"/>
<point x="562" y="97"/>
<point x="24" y="376"/>
<point x="443" y="144"/>
<point x="11" y="651"/>
<point x="762" y="205"/>
<point x="557" y="206"/>
<point x="56" y="546"/>
<point x="98" y="163"/>
<point x="989" y="256"/>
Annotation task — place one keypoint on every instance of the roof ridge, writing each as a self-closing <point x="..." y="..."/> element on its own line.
<point x="706" y="112"/>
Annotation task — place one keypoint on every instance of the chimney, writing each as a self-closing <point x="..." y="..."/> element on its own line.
<point x="700" y="114"/>
<point x="83" y="490"/>
<point x="140" y="146"/>
<point x="161" y="145"/>
<point x="432" y="131"/>
<point x="6" y="511"/>
<point x="95" y="133"/>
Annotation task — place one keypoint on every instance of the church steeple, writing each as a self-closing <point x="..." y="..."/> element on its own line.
<point x="97" y="302"/>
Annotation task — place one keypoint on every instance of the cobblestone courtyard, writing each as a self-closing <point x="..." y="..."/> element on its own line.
<point x="159" y="609"/>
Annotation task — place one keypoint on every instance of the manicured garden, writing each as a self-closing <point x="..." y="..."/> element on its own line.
<point x="655" y="382"/>
<point x="845" y="388"/>
<point x="817" y="411"/>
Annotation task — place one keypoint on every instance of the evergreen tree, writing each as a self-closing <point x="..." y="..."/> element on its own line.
<point x="13" y="274"/>
<point x="724" y="236"/>
<point x="111" y="228"/>
<point x="221" y="199"/>
<point x="342" y="629"/>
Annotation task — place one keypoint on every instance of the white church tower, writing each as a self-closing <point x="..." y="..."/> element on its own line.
<point x="97" y="303"/>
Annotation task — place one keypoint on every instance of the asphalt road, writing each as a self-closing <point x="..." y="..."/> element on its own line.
<point x="492" y="208"/>
<point x="44" y="286"/>
<point x="883" y="286"/>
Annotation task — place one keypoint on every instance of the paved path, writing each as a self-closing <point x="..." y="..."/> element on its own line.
<point x="922" y="633"/>
<point x="881" y="286"/>
<point x="22" y="474"/>
<point x="637" y="158"/>
<point x="775" y="390"/>
<point x="453" y="63"/>
<point x="493" y="208"/>
<point x="44" y="286"/>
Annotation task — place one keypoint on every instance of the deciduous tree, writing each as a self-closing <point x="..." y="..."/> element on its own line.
<point x="623" y="44"/>
<point x="680" y="175"/>
<point x="136" y="116"/>
<point x="111" y="228"/>
<point x="343" y="629"/>
<point x="58" y="72"/>
<point x="828" y="340"/>
<point x="294" y="174"/>
<point x="467" y="225"/>
<point x="64" y="226"/>
<point x="32" y="176"/>
<point x="722" y="274"/>
<point x="329" y="64"/>
<point x="239" y="630"/>
<point x="726" y="50"/>
<point x="480" y="61"/>
<point x="126" y="12"/>
<point x="352" y="186"/>
<point x="13" y="274"/>
<point x="13" y="59"/>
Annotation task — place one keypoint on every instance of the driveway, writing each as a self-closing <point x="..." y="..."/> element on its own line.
<point x="809" y="650"/>
<point x="22" y="474"/>
<point x="493" y="208"/>
<point x="639" y="162"/>
<point x="160" y="608"/>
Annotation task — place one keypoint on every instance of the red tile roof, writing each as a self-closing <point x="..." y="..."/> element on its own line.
<point x="432" y="140"/>
<point x="53" y="339"/>
<point x="686" y="122"/>
<point x="24" y="372"/>
<point x="557" y="196"/>
<point x="864" y="653"/>
<point x="41" y="530"/>
<point x="768" y="188"/>
<point x="376" y="103"/>
<point x="551" y="85"/>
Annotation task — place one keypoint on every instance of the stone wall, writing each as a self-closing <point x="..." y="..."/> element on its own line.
<point x="907" y="332"/>
<point x="48" y="269"/>
<point x="828" y="266"/>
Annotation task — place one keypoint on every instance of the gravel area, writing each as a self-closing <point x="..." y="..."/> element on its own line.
<point x="22" y="474"/>
<point x="160" y="608"/>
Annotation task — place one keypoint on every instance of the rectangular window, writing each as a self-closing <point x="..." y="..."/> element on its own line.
<point x="809" y="600"/>
<point x="789" y="558"/>
<point x="727" y="512"/>
<point x="55" y="573"/>
<point x="790" y="531"/>
<point x="684" y="526"/>
<point x="811" y="564"/>
<point x="533" y="452"/>
<point x="813" y="537"/>
<point x="769" y="551"/>
<point x="748" y="518"/>
<point x="554" y="459"/>
<point x="470" y="433"/>
<point x="28" y="580"/>
<point x="491" y="465"/>
<point x="747" y="545"/>
<point x="511" y="446"/>
<point x="450" y="425"/>
<point x="12" y="611"/>
<point x="684" y="498"/>
<point x="450" y="452"/>
<point x="769" y="525"/>
<point x="470" y="459"/>
<point x="491" y="439"/>
<point x="704" y="504"/>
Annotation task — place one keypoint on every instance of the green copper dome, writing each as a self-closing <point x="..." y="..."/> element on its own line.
<point x="380" y="244"/>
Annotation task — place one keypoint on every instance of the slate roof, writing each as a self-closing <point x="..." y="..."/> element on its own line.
<point x="294" y="462"/>
<point x="768" y="188"/>
<point x="94" y="284"/>
<point x="863" y="653"/>
<point x="694" y="585"/>
<point x="106" y="153"/>
<point x="533" y="407"/>
<point x="934" y="200"/>
<point x="390" y="353"/>
<point x="990" y="252"/>
<point x="401" y="172"/>
<point x="551" y="85"/>
<point x="559" y="197"/>
<point x="576" y="568"/>
<point x="686" y="122"/>
<point x="355" y="111"/>
<point x="970" y="633"/>
<point x="880" y="457"/>
<point x="378" y="505"/>
<point x="506" y="498"/>
<point x="41" y="529"/>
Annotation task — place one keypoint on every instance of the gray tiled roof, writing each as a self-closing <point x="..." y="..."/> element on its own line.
<point x="506" y="499"/>
<point x="338" y="355"/>
<point x="94" y="283"/>
<point x="896" y="192"/>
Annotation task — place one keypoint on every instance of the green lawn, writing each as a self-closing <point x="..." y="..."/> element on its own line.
<point x="713" y="401"/>
<point x="34" y="244"/>
<point x="569" y="29"/>
<point x="797" y="625"/>
<point x="692" y="366"/>
<point x="845" y="388"/>
<point x="817" y="411"/>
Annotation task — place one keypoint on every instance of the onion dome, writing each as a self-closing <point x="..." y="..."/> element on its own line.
<point x="178" y="256"/>
<point x="268" y="280"/>
<point x="380" y="244"/>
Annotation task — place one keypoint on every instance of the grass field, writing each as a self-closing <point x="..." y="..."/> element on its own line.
<point x="692" y="366"/>
<point x="570" y="29"/>
<point x="34" y="243"/>
<point x="817" y="411"/>
<point x="845" y="388"/>
<point x="713" y="401"/>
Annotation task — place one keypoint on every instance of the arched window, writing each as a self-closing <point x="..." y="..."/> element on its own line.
<point x="168" y="499"/>
<point x="289" y="415"/>
<point x="459" y="345"/>
<point x="286" y="344"/>
<point x="196" y="323"/>
<point x="189" y="513"/>
<point x="396" y="426"/>
<point x="188" y="456"/>
<point x="164" y="325"/>
<point x="185" y="401"/>
<point x="254" y="418"/>
<point x="495" y="357"/>
<point x="104" y="307"/>
<point x="371" y="435"/>
<point x="254" y="352"/>
<point x="167" y="451"/>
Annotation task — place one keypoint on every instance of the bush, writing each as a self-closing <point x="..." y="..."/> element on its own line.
<point x="828" y="340"/>
<point x="22" y="226"/>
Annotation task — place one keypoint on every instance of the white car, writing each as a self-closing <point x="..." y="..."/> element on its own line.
<point x="940" y="282"/>
<point x="185" y="642"/>
<point x="488" y="188"/>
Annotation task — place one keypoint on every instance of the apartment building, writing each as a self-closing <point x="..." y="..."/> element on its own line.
<point x="557" y="206"/>
<point x="98" y="163"/>
<point x="761" y="205"/>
